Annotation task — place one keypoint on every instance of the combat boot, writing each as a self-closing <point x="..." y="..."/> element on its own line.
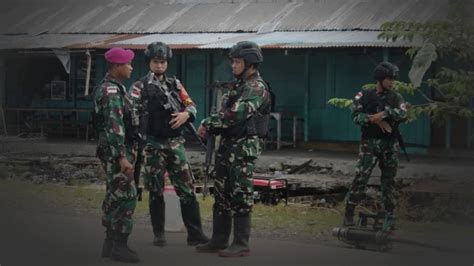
<point x="192" y="221"/>
<point x="159" y="240"/>
<point x="240" y="244"/>
<point x="349" y="214"/>
<point x="121" y="251"/>
<point x="157" y="215"/>
<point x="108" y="243"/>
<point x="221" y="227"/>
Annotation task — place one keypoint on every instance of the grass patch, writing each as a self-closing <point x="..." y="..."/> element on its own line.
<point x="435" y="207"/>
<point x="295" y="221"/>
<point x="295" y="218"/>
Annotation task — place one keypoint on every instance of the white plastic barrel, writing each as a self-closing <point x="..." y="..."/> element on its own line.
<point x="173" y="220"/>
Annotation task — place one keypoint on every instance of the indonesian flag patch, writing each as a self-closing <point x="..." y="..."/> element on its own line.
<point x="359" y="94"/>
<point x="112" y="89"/>
<point x="403" y="106"/>
<point x="136" y="92"/>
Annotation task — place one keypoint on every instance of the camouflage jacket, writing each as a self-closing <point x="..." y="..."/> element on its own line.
<point x="369" y="101"/>
<point x="250" y="94"/>
<point x="239" y="104"/>
<point x="110" y="110"/>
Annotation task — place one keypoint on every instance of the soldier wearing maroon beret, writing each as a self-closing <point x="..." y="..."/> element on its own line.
<point x="113" y="123"/>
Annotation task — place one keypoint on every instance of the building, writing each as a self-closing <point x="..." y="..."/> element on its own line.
<point x="314" y="51"/>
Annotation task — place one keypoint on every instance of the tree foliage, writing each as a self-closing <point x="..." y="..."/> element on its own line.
<point x="450" y="43"/>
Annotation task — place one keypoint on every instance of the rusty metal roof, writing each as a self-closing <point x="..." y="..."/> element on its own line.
<point x="177" y="40"/>
<point x="153" y="16"/>
<point x="303" y="39"/>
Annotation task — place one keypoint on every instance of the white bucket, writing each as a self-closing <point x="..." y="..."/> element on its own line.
<point x="173" y="219"/>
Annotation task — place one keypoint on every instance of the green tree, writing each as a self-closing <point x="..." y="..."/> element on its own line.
<point x="450" y="43"/>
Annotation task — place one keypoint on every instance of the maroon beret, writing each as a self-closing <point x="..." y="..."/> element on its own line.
<point x="119" y="55"/>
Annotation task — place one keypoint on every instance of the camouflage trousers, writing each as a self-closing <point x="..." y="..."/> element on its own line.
<point x="168" y="156"/>
<point x="120" y="197"/>
<point x="385" y="152"/>
<point x="234" y="165"/>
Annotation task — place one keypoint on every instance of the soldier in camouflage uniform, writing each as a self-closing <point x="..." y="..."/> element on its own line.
<point x="379" y="112"/>
<point x="242" y="123"/>
<point x="113" y="124"/>
<point x="164" y="147"/>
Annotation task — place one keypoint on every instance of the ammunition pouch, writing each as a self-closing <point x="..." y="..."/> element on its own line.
<point x="257" y="125"/>
<point x="373" y="131"/>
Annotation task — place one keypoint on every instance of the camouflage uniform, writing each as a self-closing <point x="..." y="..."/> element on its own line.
<point x="236" y="156"/>
<point x="165" y="154"/>
<point x="111" y="104"/>
<point x="242" y="123"/>
<point x="235" y="162"/>
<point x="377" y="146"/>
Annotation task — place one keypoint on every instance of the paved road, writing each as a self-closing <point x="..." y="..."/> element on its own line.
<point x="38" y="236"/>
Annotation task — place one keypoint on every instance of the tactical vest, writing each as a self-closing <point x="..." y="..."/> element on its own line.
<point x="257" y="124"/>
<point x="372" y="104"/>
<point x="154" y="100"/>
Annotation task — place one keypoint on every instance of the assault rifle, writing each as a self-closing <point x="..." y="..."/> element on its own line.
<point x="175" y="105"/>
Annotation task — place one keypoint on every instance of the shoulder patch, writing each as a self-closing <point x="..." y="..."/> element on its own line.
<point x="136" y="91"/>
<point x="359" y="95"/>
<point x="111" y="89"/>
<point x="258" y="86"/>
<point x="179" y="85"/>
<point x="403" y="106"/>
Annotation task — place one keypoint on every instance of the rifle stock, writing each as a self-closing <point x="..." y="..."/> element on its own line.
<point x="136" y="174"/>
<point x="401" y="142"/>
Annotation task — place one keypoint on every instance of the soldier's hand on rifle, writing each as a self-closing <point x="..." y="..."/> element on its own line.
<point x="386" y="128"/>
<point x="202" y="132"/>
<point x="179" y="119"/>
<point x="376" y="118"/>
<point x="126" y="167"/>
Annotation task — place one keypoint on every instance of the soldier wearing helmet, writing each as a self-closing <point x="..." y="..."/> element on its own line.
<point x="378" y="112"/>
<point x="242" y="123"/>
<point x="163" y="149"/>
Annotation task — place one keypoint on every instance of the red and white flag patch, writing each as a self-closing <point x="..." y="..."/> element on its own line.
<point x="403" y="106"/>
<point x="136" y="92"/>
<point x="358" y="95"/>
<point x="112" y="89"/>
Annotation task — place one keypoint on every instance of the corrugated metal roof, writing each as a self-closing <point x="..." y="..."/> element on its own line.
<point x="177" y="40"/>
<point x="360" y="15"/>
<point x="53" y="41"/>
<point x="304" y="39"/>
<point x="307" y="39"/>
<point x="152" y="16"/>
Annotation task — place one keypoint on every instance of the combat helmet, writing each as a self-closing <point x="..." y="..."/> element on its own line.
<point x="385" y="70"/>
<point x="249" y="51"/>
<point x="158" y="50"/>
